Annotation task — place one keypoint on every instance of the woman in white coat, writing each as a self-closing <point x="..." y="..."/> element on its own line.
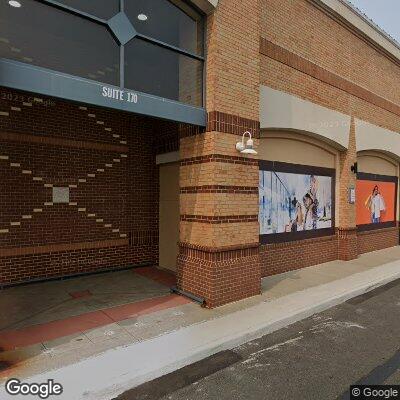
<point x="376" y="205"/>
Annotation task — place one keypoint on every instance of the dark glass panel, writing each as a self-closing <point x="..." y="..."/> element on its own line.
<point x="47" y="37"/>
<point x="100" y="8"/>
<point x="173" y="22"/>
<point x="156" y="70"/>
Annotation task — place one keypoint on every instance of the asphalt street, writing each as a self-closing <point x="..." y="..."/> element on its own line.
<point x="318" y="358"/>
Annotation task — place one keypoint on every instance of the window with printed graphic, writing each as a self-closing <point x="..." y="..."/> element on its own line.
<point x="375" y="200"/>
<point x="295" y="201"/>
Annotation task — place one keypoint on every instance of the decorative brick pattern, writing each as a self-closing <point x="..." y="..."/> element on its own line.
<point x="189" y="130"/>
<point x="111" y="220"/>
<point x="220" y="189"/>
<point x="62" y="247"/>
<point x="209" y="143"/>
<point x="218" y="253"/>
<point x="219" y="219"/>
<point x="50" y="185"/>
<point x="53" y="141"/>
<point x="234" y="124"/>
<point x="219" y="158"/>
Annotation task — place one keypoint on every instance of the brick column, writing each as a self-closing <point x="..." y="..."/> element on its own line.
<point x="347" y="228"/>
<point x="219" y="233"/>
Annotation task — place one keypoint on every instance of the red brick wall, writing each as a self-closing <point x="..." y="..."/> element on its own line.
<point x="112" y="218"/>
<point x="347" y="243"/>
<point x="277" y="258"/>
<point x="56" y="264"/>
<point x="219" y="277"/>
<point x="377" y="239"/>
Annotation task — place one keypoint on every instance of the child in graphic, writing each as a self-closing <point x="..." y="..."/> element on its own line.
<point x="376" y="205"/>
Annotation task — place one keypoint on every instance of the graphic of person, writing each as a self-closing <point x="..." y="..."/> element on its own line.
<point x="313" y="193"/>
<point x="297" y="221"/>
<point x="309" y="222"/>
<point x="376" y="205"/>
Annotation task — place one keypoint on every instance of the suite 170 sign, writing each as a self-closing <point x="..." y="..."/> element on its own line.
<point x="119" y="94"/>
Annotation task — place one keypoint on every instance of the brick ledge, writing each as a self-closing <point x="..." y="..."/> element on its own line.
<point x="372" y="231"/>
<point x="61" y="247"/>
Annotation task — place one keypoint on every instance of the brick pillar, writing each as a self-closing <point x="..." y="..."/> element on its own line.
<point x="347" y="228"/>
<point x="219" y="233"/>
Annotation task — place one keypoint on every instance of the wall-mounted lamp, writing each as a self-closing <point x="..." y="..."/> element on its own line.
<point x="248" y="148"/>
<point x="354" y="168"/>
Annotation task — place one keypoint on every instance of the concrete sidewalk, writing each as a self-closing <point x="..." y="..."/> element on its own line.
<point x="175" y="337"/>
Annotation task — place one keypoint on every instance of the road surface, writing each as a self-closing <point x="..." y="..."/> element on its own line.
<point x="318" y="358"/>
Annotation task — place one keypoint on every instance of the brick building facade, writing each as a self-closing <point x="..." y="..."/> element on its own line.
<point x="316" y="86"/>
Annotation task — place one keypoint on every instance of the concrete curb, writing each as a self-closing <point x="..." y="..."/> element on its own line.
<point x="106" y="375"/>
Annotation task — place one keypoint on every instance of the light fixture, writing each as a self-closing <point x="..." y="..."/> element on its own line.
<point x="14" y="3"/>
<point x="248" y="148"/>
<point x="142" y="17"/>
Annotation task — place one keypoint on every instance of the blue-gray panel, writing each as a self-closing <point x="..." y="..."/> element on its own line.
<point x="21" y="76"/>
<point x="122" y="28"/>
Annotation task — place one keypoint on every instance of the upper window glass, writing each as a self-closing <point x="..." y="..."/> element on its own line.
<point x="176" y="77"/>
<point x="104" y="9"/>
<point x="48" y="37"/>
<point x="173" y="22"/>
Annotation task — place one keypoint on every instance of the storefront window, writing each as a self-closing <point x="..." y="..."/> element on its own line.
<point x="172" y="22"/>
<point x="295" y="201"/>
<point x="176" y="76"/>
<point x="47" y="37"/>
<point x="376" y="198"/>
<point x="162" y="55"/>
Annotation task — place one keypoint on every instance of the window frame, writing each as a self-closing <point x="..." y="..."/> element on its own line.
<point x="157" y="42"/>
